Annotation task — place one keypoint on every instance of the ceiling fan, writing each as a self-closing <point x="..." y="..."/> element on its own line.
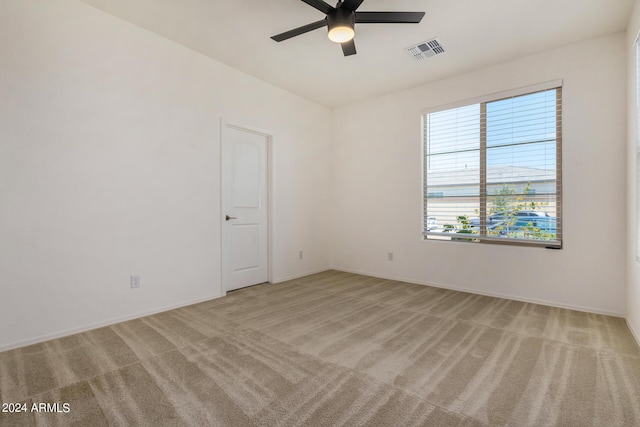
<point x="341" y="21"/>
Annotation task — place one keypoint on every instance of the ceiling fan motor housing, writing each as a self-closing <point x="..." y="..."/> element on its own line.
<point x="341" y="17"/>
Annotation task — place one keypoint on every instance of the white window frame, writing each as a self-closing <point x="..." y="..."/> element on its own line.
<point x="551" y="244"/>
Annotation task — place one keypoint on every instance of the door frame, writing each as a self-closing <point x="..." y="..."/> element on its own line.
<point x="269" y="155"/>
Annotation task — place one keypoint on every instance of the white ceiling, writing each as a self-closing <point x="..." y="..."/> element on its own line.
<point x="475" y="33"/>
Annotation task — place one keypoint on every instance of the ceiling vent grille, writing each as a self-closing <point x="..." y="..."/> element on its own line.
<point x="426" y="50"/>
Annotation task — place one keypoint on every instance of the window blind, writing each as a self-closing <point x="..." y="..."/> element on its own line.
<point x="493" y="170"/>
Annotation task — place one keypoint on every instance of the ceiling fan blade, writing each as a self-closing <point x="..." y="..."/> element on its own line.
<point x="352" y="4"/>
<point x="348" y="48"/>
<point x="320" y="5"/>
<point x="388" y="17"/>
<point x="300" y="30"/>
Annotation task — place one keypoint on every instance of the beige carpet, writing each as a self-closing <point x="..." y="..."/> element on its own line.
<point x="336" y="349"/>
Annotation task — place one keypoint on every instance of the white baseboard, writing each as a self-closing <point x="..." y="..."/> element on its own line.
<point x="297" y="276"/>
<point x="633" y="332"/>
<point x="96" y="325"/>
<point x="485" y="293"/>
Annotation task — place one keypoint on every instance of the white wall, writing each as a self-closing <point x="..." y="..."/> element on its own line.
<point x="109" y="166"/>
<point x="378" y="193"/>
<point x="633" y="266"/>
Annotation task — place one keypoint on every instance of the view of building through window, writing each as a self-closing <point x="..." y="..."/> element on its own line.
<point x="492" y="170"/>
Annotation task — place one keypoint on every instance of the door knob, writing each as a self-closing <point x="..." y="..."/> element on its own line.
<point x="229" y="217"/>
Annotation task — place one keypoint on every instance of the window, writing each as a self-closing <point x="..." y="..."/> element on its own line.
<point x="493" y="169"/>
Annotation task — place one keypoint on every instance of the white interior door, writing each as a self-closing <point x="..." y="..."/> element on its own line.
<point x="245" y="246"/>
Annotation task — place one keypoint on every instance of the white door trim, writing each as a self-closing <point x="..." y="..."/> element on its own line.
<point x="269" y="137"/>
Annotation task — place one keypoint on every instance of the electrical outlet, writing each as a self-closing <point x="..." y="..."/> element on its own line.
<point x="300" y="255"/>
<point x="135" y="281"/>
<point x="390" y="256"/>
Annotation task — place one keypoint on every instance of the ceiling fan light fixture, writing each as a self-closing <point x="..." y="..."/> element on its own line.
<point x="341" y="34"/>
<point x="340" y="23"/>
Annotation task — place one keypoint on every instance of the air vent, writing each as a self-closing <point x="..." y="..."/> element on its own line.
<point x="426" y="49"/>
